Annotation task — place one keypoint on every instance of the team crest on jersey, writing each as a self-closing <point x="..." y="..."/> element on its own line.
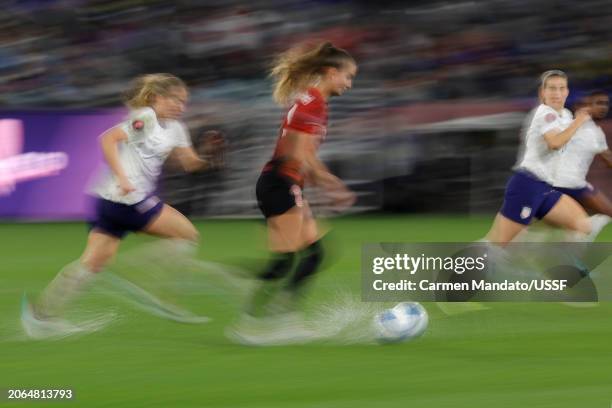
<point x="550" y="117"/>
<point x="138" y="125"/>
<point x="525" y="212"/>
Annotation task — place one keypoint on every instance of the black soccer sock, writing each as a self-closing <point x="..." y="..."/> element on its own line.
<point x="311" y="258"/>
<point x="278" y="268"/>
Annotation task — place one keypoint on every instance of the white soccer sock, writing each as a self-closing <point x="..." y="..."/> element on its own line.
<point x="598" y="222"/>
<point x="66" y="286"/>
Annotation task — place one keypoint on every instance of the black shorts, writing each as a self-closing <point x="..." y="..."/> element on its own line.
<point x="277" y="194"/>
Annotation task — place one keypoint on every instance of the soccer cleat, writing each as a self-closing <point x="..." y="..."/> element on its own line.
<point x="45" y="328"/>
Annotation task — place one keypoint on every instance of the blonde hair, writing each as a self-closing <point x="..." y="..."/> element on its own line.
<point x="551" y="74"/>
<point x="145" y="87"/>
<point x="295" y="69"/>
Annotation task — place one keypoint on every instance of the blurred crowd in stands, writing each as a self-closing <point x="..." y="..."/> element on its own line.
<point x="420" y="63"/>
<point x="82" y="53"/>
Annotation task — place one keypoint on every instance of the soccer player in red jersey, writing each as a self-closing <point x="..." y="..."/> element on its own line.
<point x="305" y="78"/>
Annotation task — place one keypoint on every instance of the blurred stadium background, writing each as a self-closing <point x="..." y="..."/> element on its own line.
<point x="431" y="125"/>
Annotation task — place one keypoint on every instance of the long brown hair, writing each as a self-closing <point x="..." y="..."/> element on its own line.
<point x="145" y="87"/>
<point x="296" y="68"/>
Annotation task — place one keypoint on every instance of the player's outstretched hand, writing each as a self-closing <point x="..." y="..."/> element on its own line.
<point x="583" y="115"/>
<point x="337" y="191"/>
<point x="211" y="146"/>
<point x="343" y="198"/>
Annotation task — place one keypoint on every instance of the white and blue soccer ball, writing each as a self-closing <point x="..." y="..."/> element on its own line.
<point x="405" y="321"/>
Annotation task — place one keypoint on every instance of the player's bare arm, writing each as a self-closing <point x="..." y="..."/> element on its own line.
<point x="110" y="142"/>
<point x="189" y="159"/>
<point x="556" y="139"/>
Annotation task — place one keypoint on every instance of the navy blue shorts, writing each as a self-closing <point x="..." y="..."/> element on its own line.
<point x="527" y="196"/>
<point x="578" y="193"/>
<point x="118" y="219"/>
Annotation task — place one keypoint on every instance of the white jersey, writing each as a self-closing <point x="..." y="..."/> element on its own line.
<point x="577" y="155"/>
<point x="142" y="155"/>
<point x="536" y="157"/>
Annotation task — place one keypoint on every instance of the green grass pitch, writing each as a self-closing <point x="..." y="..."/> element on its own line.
<point x="511" y="355"/>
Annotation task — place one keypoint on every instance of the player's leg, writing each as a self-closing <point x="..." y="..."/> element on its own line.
<point x="271" y="317"/>
<point x="310" y="255"/>
<point x="100" y="250"/>
<point x="568" y="214"/>
<point x="284" y="231"/>
<point x="595" y="201"/>
<point x="513" y="218"/>
<point x="577" y="261"/>
<point x="180" y="235"/>
<point x="598" y="202"/>
<point x="280" y="201"/>
<point x="107" y="228"/>
<point x="170" y="223"/>
<point x="153" y="263"/>
<point x="504" y="230"/>
<point x="284" y="240"/>
<point x="591" y="199"/>
<point x="522" y="199"/>
<point x="72" y="279"/>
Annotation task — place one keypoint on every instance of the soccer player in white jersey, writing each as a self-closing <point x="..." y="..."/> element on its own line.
<point x="134" y="151"/>
<point x="577" y="155"/>
<point x="529" y="191"/>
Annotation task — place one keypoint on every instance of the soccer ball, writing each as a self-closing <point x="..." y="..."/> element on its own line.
<point x="405" y="321"/>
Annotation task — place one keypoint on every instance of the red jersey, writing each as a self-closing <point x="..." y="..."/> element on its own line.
<point x="307" y="115"/>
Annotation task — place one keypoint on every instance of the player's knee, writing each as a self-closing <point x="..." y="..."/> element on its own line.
<point x="582" y="225"/>
<point x="190" y="233"/>
<point x="193" y="235"/>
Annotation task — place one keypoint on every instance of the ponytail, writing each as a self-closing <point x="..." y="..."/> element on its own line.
<point x="295" y="69"/>
<point x="145" y="87"/>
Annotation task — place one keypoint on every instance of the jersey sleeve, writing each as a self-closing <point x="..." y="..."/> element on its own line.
<point x="307" y="115"/>
<point x="602" y="144"/>
<point x="139" y="124"/>
<point x="181" y="135"/>
<point x="547" y="119"/>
